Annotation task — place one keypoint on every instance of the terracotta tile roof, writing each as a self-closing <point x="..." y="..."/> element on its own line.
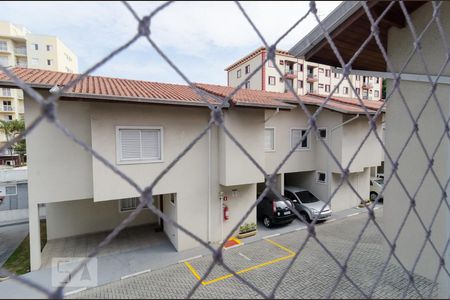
<point x="254" y="54"/>
<point x="347" y="106"/>
<point x="98" y="87"/>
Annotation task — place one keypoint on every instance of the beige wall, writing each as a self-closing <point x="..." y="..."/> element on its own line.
<point x="72" y="218"/>
<point x="239" y="205"/>
<point x="50" y="152"/>
<point x="413" y="163"/>
<point x="247" y="126"/>
<point x="255" y="81"/>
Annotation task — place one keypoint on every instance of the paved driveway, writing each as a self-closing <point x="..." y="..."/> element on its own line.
<point x="10" y="237"/>
<point x="313" y="275"/>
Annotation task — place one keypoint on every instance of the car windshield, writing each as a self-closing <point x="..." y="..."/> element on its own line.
<point x="380" y="181"/>
<point x="306" y="197"/>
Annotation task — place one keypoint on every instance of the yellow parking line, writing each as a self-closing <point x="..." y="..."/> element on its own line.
<point x="291" y="254"/>
<point x="236" y="240"/>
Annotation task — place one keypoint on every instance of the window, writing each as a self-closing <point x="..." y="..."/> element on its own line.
<point x="6" y="92"/>
<point x="270" y="64"/>
<point x="377" y="80"/>
<point x="247" y="84"/>
<point x="269" y="139"/>
<point x="8" y="118"/>
<point x="49" y="62"/>
<point x="377" y="94"/>
<point x="35" y="61"/>
<point x="345" y="90"/>
<point x="300" y="67"/>
<point x="327" y="88"/>
<point x="358" y="77"/>
<point x="239" y="73"/>
<point x="4" y="61"/>
<point x="272" y="80"/>
<point x="358" y="91"/>
<point x="247" y="69"/>
<point x="3" y="46"/>
<point x="337" y="89"/>
<point x="320" y="70"/>
<point x="327" y="73"/>
<point x="321" y="177"/>
<point x="173" y="198"/>
<point x="320" y="85"/>
<point x="49" y="47"/>
<point x="128" y="204"/>
<point x="322" y="133"/>
<point x="11" y="190"/>
<point x="36" y="46"/>
<point x="296" y="136"/>
<point x="300" y="84"/>
<point x="336" y="75"/>
<point x="281" y="62"/>
<point x="137" y="145"/>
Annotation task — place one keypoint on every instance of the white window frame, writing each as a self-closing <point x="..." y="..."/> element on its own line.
<point x="247" y="67"/>
<point x="238" y="73"/>
<point x="6" y="45"/>
<point x="326" y="133"/>
<point x="274" y="80"/>
<point x="247" y="84"/>
<point x="173" y="199"/>
<point x="36" y="47"/>
<point x="128" y="210"/>
<point x="317" y="177"/>
<point x="8" y="186"/>
<point x="308" y="140"/>
<point x="274" y="143"/>
<point x="121" y="161"/>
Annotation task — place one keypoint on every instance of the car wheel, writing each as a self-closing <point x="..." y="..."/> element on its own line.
<point x="305" y="217"/>
<point x="267" y="222"/>
<point x="373" y="196"/>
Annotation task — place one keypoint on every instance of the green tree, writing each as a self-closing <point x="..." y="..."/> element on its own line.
<point x="11" y="129"/>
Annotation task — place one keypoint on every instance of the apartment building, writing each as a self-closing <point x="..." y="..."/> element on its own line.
<point x="304" y="76"/>
<point x="142" y="130"/>
<point x="21" y="48"/>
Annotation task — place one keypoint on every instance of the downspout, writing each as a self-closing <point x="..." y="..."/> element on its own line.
<point x="209" y="187"/>
<point x="331" y="146"/>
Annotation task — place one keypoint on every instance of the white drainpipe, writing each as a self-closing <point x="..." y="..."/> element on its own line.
<point x="331" y="146"/>
<point x="209" y="187"/>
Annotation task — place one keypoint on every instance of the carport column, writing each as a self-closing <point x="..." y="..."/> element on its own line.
<point x="35" y="236"/>
<point x="280" y="183"/>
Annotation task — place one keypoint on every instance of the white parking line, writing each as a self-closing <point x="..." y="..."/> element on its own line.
<point x="300" y="228"/>
<point x="135" y="274"/>
<point x="377" y="207"/>
<point x="75" y="291"/>
<point x="190" y="258"/>
<point x="330" y="220"/>
<point x="351" y="215"/>
<point x="272" y="235"/>
<point x="244" y="256"/>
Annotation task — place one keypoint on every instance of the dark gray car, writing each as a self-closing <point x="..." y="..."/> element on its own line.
<point x="307" y="204"/>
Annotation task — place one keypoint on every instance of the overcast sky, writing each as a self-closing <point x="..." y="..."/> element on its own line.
<point x="202" y="38"/>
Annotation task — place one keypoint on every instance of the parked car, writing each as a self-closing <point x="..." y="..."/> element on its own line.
<point x="272" y="210"/>
<point x="307" y="205"/>
<point x="376" y="185"/>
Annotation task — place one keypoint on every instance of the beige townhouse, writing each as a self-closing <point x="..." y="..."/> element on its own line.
<point x="416" y="215"/>
<point x="21" y="48"/>
<point x="306" y="77"/>
<point x="140" y="127"/>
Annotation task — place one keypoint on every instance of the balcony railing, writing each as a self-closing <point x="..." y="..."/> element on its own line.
<point x="365" y="97"/>
<point x="7" y="108"/>
<point x="367" y="85"/>
<point x="22" y="65"/>
<point x="20" y="51"/>
<point x="4" y="49"/>
<point x="290" y="73"/>
<point x="311" y="78"/>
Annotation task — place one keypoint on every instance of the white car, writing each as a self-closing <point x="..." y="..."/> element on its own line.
<point x="376" y="185"/>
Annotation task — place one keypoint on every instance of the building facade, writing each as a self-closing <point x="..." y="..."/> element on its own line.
<point x="421" y="165"/>
<point x="304" y="76"/>
<point x="141" y="134"/>
<point x="21" y="48"/>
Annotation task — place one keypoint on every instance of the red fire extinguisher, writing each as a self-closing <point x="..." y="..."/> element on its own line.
<point x="226" y="213"/>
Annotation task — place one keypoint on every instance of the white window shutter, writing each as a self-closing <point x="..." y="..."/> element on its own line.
<point x="296" y="135"/>
<point x="269" y="139"/>
<point x="151" y="144"/>
<point x="130" y="144"/>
